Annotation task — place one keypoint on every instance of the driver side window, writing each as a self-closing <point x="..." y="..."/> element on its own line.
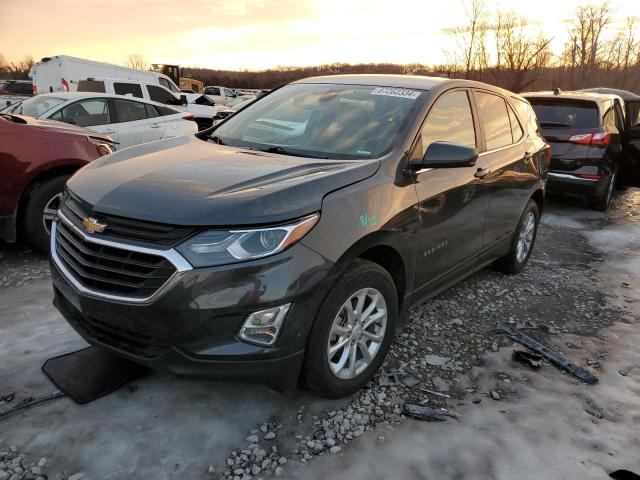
<point x="449" y="120"/>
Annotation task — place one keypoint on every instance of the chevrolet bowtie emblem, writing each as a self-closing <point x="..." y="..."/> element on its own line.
<point x="91" y="225"/>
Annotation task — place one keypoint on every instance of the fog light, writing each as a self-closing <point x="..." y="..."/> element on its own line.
<point x="263" y="327"/>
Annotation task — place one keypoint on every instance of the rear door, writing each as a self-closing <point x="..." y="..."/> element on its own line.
<point x="453" y="202"/>
<point x="511" y="156"/>
<point x="134" y="123"/>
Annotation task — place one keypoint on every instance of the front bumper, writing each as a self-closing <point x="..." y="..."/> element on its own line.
<point x="558" y="182"/>
<point x="191" y="329"/>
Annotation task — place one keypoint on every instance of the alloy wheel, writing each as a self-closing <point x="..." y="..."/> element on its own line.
<point x="50" y="211"/>
<point x="357" y="333"/>
<point x="525" y="237"/>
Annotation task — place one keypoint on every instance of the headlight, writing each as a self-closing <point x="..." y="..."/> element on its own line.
<point x="221" y="247"/>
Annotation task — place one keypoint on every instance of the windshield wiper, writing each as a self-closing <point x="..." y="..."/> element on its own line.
<point x="283" y="151"/>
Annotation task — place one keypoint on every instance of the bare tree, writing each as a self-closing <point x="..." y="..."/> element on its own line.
<point x="519" y="50"/>
<point x="584" y="52"/>
<point x="137" y="61"/>
<point x="471" y="38"/>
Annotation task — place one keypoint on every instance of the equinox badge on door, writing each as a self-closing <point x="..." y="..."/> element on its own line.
<point x="91" y="225"/>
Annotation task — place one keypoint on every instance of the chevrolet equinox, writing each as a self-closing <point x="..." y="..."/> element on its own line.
<point x="287" y="243"/>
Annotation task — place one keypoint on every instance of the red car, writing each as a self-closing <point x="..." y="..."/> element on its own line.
<point x="37" y="157"/>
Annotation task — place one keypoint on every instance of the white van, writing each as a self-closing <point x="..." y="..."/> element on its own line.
<point x="62" y="74"/>
<point x="199" y="105"/>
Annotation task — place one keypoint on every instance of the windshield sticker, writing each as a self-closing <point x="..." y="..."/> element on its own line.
<point x="396" y="92"/>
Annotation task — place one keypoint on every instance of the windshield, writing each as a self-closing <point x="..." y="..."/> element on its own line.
<point x="322" y="120"/>
<point x="565" y="113"/>
<point x="38" y="105"/>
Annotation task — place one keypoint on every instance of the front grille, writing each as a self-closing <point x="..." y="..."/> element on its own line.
<point x="119" y="228"/>
<point x="110" y="270"/>
<point x="134" y="343"/>
<point x="131" y="342"/>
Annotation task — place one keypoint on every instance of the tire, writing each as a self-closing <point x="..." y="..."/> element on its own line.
<point x="42" y="195"/>
<point x="317" y="373"/>
<point x="602" y="202"/>
<point x="514" y="262"/>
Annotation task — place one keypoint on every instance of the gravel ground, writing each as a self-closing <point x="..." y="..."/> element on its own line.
<point x="444" y="358"/>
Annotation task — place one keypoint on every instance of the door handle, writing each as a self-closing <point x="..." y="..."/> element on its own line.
<point x="109" y="132"/>
<point x="481" y="173"/>
<point x="156" y="125"/>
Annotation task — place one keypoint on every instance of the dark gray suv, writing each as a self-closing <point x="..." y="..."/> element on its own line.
<point x="287" y="243"/>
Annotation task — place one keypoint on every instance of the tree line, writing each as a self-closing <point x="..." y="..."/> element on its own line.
<point x="496" y="46"/>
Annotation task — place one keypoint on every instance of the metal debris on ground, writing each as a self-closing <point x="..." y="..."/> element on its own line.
<point x="30" y="402"/>
<point x="389" y="379"/>
<point x="528" y="358"/>
<point x="551" y="355"/>
<point x="423" y="412"/>
<point x="435" y="392"/>
<point x="410" y="381"/>
<point x="8" y="397"/>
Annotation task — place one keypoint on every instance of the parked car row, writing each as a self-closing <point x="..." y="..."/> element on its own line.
<point x="127" y="120"/>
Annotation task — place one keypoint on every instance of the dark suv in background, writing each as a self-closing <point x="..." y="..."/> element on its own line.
<point x="289" y="241"/>
<point x="591" y="143"/>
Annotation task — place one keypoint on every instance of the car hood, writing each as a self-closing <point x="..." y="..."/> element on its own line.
<point x="188" y="181"/>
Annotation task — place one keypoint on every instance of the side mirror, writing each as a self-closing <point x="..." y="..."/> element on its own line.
<point x="447" y="155"/>
<point x="183" y="100"/>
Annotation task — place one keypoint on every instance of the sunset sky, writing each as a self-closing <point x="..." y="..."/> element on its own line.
<point x="256" y="34"/>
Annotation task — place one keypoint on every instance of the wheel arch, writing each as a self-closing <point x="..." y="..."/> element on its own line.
<point x="538" y="197"/>
<point x="382" y="248"/>
<point x="41" y="177"/>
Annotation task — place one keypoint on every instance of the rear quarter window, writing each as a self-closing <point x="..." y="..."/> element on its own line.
<point x="564" y="113"/>
<point x="527" y="116"/>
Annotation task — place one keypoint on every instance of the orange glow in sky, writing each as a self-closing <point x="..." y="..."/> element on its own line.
<point x="257" y="34"/>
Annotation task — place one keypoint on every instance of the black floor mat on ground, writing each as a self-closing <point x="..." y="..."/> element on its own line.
<point x="91" y="373"/>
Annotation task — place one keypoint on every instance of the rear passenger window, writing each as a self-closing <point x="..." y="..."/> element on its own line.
<point x="449" y="120"/>
<point x="85" y="113"/>
<point x="129" y="111"/>
<point x="134" y="89"/>
<point x="495" y="117"/>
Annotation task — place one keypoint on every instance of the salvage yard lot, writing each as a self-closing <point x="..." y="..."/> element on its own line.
<point x="578" y="294"/>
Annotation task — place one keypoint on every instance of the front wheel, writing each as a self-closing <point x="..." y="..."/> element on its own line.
<point x="352" y="332"/>
<point x="42" y="205"/>
<point x="522" y="242"/>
